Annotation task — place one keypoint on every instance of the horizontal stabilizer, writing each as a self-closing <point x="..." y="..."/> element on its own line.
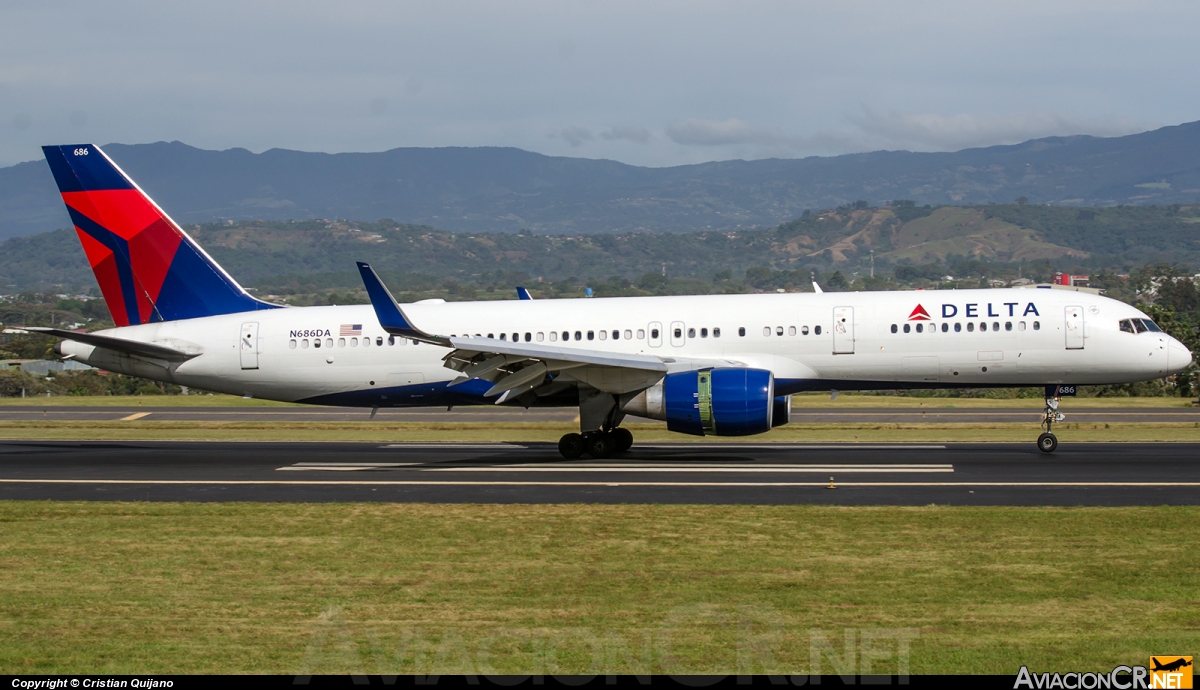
<point x="122" y="345"/>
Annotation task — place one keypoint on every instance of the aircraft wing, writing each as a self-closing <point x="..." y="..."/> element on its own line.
<point x="511" y="369"/>
<point x="108" y="342"/>
<point x="514" y="369"/>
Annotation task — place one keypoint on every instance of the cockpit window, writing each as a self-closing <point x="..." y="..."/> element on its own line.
<point x="1150" y="325"/>
<point x="1140" y="325"/>
<point x="1126" y="326"/>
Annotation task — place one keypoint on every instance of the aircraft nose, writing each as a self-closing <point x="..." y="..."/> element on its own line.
<point x="1178" y="356"/>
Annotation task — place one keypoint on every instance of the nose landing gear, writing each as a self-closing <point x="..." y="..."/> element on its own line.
<point x="1047" y="442"/>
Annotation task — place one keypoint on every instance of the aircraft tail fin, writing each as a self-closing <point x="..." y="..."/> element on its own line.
<point x="147" y="266"/>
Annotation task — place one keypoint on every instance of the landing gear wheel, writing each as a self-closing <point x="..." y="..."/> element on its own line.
<point x="571" y="446"/>
<point x="1047" y="442"/>
<point x="599" y="445"/>
<point x="622" y="439"/>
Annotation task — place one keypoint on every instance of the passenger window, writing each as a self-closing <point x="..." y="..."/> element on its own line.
<point x="717" y="332"/>
<point x="907" y="328"/>
<point x="791" y="330"/>
<point x="1020" y="325"/>
<point x="617" y="335"/>
<point x="945" y="327"/>
<point x="766" y="330"/>
<point x="540" y="336"/>
<point x="641" y="333"/>
<point x="629" y="334"/>
<point x="392" y="340"/>
<point x="528" y="337"/>
<point x="816" y="330"/>
<point x="970" y="326"/>
<point x="354" y="342"/>
<point x="920" y="328"/>
<point x="292" y="344"/>
<point x="591" y="335"/>
<point x="578" y="335"/>
<point x="304" y="344"/>
<point x="1037" y="325"/>
<point x="316" y="342"/>
<point x="678" y="332"/>
<point x="895" y="328"/>
<point x="995" y="325"/>
<point x="504" y="336"/>
<point x="703" y="332"/>
<point x="653" y="334"/>
<point x="341" y="342"/>
<point x="804" y="330"/>
<point x="491" y="335"/>
<point x="604" y="335"/>
<point x="958" y="328"/>
<point x="516" y="337"/>
<point x="982" y="326"/>
<point x="742" y="331"/>
<point x="366" y="342"/>
<point x="1008" y="325"/>
<point x="566" y="335"/>
<point x="378" y="341"/>
<point x="554" y="336"/>
<point x="779" y="330"/>
<point x="691" y="332"/>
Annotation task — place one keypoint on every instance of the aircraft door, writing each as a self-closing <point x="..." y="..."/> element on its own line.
<point x="654" y="334"/>
<point x="249" y="345"/>
<point x="843" y="330"/>
<point x="677" y="337"/>
<point x="1073" y="322"/>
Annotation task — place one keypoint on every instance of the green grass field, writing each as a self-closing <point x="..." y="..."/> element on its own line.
<point x="550" y="432"/>
<point x="382" y="588"/>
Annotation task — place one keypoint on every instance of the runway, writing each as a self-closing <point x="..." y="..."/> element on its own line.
<point x="713" y="473"/>
<point x="485" y="413"/>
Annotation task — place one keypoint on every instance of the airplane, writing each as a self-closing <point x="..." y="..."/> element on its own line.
<point x="707" y="365"/>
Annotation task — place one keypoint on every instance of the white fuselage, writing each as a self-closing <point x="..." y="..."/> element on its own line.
<point x="809" y="341"/>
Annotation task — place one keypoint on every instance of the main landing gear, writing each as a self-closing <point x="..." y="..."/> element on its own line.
<point x="598" y="444"/>
<point x="1047" y="442"/>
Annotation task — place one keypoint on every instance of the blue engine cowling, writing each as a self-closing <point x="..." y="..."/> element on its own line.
<point x="720" y="402"/>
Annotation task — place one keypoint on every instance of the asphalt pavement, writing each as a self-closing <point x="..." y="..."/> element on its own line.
<point x="752" y="473"/>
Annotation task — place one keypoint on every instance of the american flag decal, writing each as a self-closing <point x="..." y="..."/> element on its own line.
<point x="350" y="329"/>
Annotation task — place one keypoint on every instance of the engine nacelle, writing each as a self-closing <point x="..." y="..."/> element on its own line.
<point x="716" y="402"/>
<point x="782" y="413"/>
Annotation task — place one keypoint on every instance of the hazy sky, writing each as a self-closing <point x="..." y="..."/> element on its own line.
<point x="645" y="83"/>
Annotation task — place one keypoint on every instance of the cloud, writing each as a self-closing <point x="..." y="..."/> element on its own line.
<point x="573" y="135"/>
<point x="697" y="132"/>
<point x="932" y="132"/>
<point x="639" y="134"/>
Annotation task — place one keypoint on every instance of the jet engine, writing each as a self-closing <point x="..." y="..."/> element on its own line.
<point x="714" y="402"/>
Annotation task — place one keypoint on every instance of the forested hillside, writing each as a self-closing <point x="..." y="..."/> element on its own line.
<point x="1009" y="239"/>
<point x="490" y="189"/>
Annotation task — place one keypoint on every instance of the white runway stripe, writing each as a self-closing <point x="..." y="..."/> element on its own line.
<point x="841" y="485"/>
<point x="737" y="469"/>
<point x="450" y="445"/>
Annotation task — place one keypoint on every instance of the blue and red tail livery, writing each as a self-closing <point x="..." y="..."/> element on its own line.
<point x="147" y="267"/>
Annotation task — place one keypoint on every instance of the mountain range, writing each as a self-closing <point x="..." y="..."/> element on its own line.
<point x="492" y="189"/>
